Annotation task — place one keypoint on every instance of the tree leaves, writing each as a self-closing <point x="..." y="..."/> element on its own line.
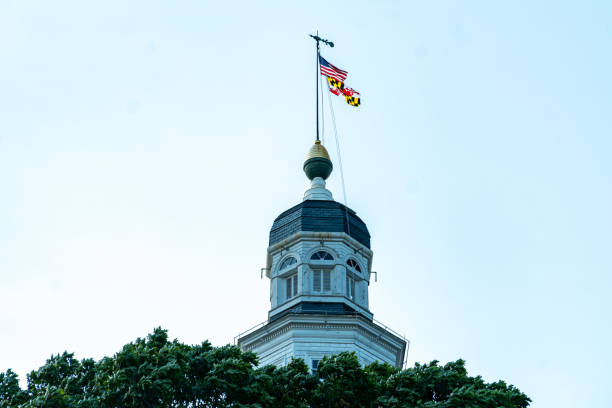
<point x="10" y="393"/>
<point x="156" y="372"/>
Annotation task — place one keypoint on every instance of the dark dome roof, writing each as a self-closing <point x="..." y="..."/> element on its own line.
<point x="319" y="216"/>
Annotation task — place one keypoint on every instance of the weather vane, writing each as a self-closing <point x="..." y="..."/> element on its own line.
<point x="323" y="40"/>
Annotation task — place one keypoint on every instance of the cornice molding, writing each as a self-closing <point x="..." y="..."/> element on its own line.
<point x="364" y="327"/>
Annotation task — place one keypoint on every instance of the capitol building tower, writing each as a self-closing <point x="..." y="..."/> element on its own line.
<point x="319" y="264"/>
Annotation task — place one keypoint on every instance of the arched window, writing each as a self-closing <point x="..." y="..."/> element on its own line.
<point x="287" y="263"/>
<point x="321" y="256"/>
<point x="353" y="264"/>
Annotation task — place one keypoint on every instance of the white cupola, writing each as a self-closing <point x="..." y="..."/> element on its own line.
<point x="319" y="263"/>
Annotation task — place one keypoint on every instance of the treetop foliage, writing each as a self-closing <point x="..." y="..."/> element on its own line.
<point x="155" y="372"/>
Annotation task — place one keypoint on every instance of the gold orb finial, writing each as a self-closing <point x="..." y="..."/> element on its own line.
<point x="318" y="163"/>
<point x="318" y="150"/>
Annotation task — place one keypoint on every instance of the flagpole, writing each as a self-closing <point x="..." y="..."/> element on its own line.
<point x="331" y="44"/>
<point x="317" y="81"/>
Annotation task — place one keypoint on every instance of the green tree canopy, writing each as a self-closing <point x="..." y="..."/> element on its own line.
<point x="157" y="372"/>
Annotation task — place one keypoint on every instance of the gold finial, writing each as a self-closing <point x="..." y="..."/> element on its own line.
<point x="317" y="150"/>
<point x="318" y="163"/>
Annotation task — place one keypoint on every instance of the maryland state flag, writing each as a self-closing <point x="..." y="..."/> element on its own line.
<point x="337" y="88"/>
<point x="353" y="101"/>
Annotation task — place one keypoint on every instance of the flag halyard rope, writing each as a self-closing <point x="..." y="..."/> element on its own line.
<point x="322" y="112"/>
<point x="333" y="116"/>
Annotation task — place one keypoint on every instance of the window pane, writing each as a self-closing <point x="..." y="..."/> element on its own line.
<point x="294" y="285"/>
<point x="288" y="262"/>
<point x="326" y="281"/>
<point x="353" y="264"/>
<point x="288" y="288"/>
<point x="316" y="281"/>
<point x="321" y="256"/>
<point x="350" y="288"/>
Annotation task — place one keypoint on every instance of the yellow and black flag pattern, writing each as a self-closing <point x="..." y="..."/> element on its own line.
<point x="333" y="82"/>
<point x="353" y="101"/>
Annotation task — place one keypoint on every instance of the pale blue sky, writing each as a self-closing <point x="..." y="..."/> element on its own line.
<point x="146" y="148"/>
